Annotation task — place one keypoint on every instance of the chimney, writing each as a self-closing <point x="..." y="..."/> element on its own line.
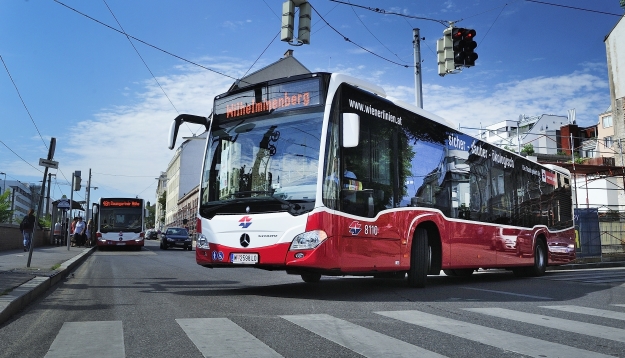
<point x="288" y="53"/>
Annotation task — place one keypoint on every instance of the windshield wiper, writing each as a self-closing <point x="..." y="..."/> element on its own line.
<point x="292" y="206"/>
<point x="240" y="194"/>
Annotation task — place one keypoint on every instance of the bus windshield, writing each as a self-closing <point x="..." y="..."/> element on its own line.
<point x="121" y="219"/>
<point x="270" y="160"/>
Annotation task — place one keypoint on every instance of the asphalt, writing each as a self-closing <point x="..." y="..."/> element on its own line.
<point x="20" y="285"/>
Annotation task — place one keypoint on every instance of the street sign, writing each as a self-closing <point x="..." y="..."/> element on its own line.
<point x="48" y="163"/>
<point x="63" y="204"/>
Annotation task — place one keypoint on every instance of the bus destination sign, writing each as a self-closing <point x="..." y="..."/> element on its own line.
<point x="284" y="96"/>
<point x="121" y="203"/>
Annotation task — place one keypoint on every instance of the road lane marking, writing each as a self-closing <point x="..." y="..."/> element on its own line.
<point x="492" y="337"/>
<point x="589" y="311"/>
<point x="588" y="329"/>
<point x="96" y="339"/>
<point x="358" y="339"/>
<point x="220" y="337"/>
<point x="508" y="293"/>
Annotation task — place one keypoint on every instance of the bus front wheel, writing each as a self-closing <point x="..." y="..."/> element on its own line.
<point x="311" y="277"/>
<point x="540" y="262"/>
<point x="419" y="259"/>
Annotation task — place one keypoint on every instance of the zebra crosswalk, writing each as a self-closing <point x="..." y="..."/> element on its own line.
<point x="232" y="340"/>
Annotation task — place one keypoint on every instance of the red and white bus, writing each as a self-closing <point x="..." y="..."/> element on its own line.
<point x="119" y="222"/>
<point x="320" y="174"/>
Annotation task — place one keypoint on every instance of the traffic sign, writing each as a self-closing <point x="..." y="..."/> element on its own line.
<point x="48" y="163"/>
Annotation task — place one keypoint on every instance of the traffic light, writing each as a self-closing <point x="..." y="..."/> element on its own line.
<point x="444" y="50"/>
<point x="464" y="46"/>
<point x="288" y="21"/>
<point x="77" y="180"/>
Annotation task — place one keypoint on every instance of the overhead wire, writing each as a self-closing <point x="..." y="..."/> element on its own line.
<point x="146" y="43"/>
<point x="23" y="103"/>
<point x="145" y="64"/>
<point x="355" y="44"/>
<point x="375" y="37"/>
<point x="386" y="12"/>
<point x="138" y="54"/>
<point x="571" y="7"/>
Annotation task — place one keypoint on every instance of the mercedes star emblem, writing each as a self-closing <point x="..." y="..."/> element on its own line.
<point x="245" y="240"/>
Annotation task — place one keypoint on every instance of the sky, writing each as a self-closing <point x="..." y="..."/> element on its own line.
<point x="67" y="74"/>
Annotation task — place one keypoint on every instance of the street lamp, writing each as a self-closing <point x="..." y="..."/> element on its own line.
<point x="4" y="182"/>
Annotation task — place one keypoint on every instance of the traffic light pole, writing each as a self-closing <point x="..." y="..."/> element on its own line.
<point x="418" y="94"/>
<point x="71" y="213"/>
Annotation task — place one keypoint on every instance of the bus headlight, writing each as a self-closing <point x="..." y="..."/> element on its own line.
<point x="202" y="242"/>
<point x="308" y="240"/>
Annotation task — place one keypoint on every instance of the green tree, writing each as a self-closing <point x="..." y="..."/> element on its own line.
<point x="6" y="214"/>
<point x="149" y="222"/>
<point x="528" y="149"/>
<point x="162" y="201"/>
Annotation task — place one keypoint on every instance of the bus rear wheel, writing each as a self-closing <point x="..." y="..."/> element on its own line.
<point x="311" y="277"/>
<point x="419" y="259"/>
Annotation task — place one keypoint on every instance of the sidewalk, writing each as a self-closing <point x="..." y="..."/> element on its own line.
<point x="19" y="285"/>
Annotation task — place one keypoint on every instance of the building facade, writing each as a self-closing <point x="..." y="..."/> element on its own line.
<point x="22" y="196"/>
<point x="183" y="174"/>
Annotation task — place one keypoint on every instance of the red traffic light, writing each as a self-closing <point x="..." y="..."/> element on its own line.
<point x="457" y="33"/>
<point x="469" y="33"/>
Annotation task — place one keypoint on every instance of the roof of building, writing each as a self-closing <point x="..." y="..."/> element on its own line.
<point x="285" y="67"/>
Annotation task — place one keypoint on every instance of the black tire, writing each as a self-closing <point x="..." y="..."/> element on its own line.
<point x="519" y="271"/>
<point x="419" y="259"/>
<point x="459" y="272"/>
<point x="163" y="246"/>
<point x="540" y="263"/>
<point x="311" y="277"/>
<point x="540" y="260"/>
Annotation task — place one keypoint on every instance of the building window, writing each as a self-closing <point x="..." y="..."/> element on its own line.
<point x="607" y="121"/>
<point x="607" y="141"/>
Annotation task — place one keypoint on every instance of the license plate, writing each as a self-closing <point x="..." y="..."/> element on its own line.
<point x="244" y="258"/>
<point x="121" y="243"/>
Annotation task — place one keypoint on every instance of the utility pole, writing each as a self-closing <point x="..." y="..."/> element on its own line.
<point x="416" y="41"/>
<point x="88" y="205"/>
<point x="48" y="163"/>
<point x="48" y="192"/>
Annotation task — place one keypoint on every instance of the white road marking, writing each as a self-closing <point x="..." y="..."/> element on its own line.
<point x="94" y="339"/>
<point x="492" y="337"/>
<point x="220" y="337"/>
<point x="589" y="329"/>
<point x="358" y="339"/>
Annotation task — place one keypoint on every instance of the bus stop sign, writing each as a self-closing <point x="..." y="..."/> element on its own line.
<point x="63" y="204"/>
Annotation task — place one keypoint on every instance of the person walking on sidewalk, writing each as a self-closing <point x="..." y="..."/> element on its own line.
<point x="27" y="227"/>
<point x="79" y="232"/>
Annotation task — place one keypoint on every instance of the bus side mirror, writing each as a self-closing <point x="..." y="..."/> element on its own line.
<point x="173" y="132"/>
<point x="351" y="130"/>
<point x="189" y="118"/>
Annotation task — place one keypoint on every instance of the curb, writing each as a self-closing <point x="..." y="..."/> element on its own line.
<point x="22" y="296"/>
<point x="587" y="265"/>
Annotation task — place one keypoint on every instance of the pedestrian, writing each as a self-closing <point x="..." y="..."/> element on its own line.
<point x="72" y="228"/>
<point x="27" y="226"/>
<point x="57" y="233"/>
<point x="79" y="232"/>
<point x="88" y="240"/>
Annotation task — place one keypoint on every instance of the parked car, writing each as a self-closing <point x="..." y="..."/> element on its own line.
<point x="176" y="237"/>
<point x="151" y="234"/>
<point x="148" y="232"/>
